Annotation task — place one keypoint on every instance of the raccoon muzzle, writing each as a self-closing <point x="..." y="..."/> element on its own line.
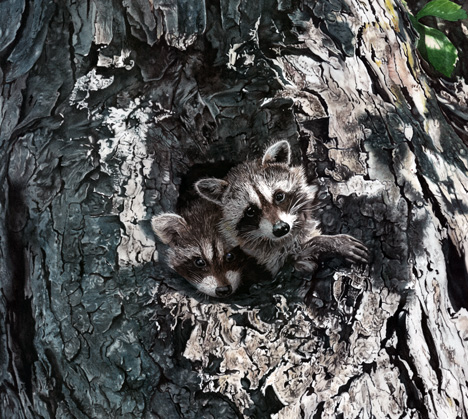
<point x="280" y="229"/>
<point x="224" y="291"/>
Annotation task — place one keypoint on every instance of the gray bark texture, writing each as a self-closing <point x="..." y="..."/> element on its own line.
<point x="105" y="107"/>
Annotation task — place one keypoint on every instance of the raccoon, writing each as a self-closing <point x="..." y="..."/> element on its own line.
<point x="198" y="252"/>
<point x="267" y="208"/>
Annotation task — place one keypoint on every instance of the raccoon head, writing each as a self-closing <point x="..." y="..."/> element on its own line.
<point x="197" y="253"/>
<point x="262" y="201"/>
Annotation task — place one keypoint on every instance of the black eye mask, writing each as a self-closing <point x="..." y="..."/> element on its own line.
<point x="251" y="219"/>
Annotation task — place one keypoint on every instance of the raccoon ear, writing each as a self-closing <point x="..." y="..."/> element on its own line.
<point x="169" y="227"/>
<point x="279" y="152"/>
<point x="212" y="189"/>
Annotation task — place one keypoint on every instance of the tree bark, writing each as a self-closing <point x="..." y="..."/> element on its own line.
<point x="108" y="105"/>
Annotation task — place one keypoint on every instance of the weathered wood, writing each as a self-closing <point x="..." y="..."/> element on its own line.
<point x="105" y="108"/>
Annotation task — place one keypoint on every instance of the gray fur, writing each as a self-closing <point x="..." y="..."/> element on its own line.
<point x="168" y="227"/>
<point x="279" y="152"/>
<point x="211" y="189"/>
<point x="255" y="184"/>
<point x="192" y="235"/>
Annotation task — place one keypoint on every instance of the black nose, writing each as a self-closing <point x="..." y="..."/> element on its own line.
<point x="280" y="229"/>
<point x="224" y="291"/>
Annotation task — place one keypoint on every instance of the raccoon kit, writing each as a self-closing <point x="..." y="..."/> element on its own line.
<point x="267" y="210"/>
<point x="198" y="252"/>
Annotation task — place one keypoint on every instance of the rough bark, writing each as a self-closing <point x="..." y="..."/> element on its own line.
<point x="106" y="106"/>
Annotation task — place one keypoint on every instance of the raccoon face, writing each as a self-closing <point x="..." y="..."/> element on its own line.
<point x="217" y="275"/>
<point x="271" y="202"/>
<point x="262" y="201"/>
<point x="197" y="253"/>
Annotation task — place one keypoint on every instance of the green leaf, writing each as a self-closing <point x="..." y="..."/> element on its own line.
<point x="444" y="9"/>
<point x="436" y="48"/>
<point x="415" y="23"/>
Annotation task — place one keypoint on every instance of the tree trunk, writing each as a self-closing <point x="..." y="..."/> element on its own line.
<point x="107" y="105"/>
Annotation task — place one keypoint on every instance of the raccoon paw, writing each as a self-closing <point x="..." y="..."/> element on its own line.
<point x="351" y="249"/>
<point x="305" y="265"/>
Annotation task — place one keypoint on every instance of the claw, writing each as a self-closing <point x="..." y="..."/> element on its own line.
<point x="352" y="249"/>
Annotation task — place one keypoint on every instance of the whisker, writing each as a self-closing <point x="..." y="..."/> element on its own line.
<point x="256" y="241"/>
<point x="290" y="206"/>
<point x="301" y="203"/>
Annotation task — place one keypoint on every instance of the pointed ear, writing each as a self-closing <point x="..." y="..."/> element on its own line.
<point x="169" y="227"/>
<point x="212" y="189"/>
<point x="279" y="152"/>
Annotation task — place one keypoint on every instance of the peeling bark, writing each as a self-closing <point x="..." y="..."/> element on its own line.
<point x="107" y="106"/>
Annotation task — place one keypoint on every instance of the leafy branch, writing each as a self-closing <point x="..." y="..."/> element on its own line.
<point x="433" y="45"/>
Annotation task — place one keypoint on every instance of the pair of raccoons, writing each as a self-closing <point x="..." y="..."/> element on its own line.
<point x="262" y="209"/>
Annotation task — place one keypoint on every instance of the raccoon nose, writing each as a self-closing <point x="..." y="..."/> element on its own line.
<point x="280" y="229"/>
<point x="224" y="291"/>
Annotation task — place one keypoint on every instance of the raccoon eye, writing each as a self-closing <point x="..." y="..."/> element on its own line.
<point x="199" y="262"/>
<point x="251" y="211"/>
<point x="280" y="197"/>
<point x="229" y="257"/>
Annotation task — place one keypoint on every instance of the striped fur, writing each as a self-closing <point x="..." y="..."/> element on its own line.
<point x="198" y="252"/>
<point x="268" y="210"/>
